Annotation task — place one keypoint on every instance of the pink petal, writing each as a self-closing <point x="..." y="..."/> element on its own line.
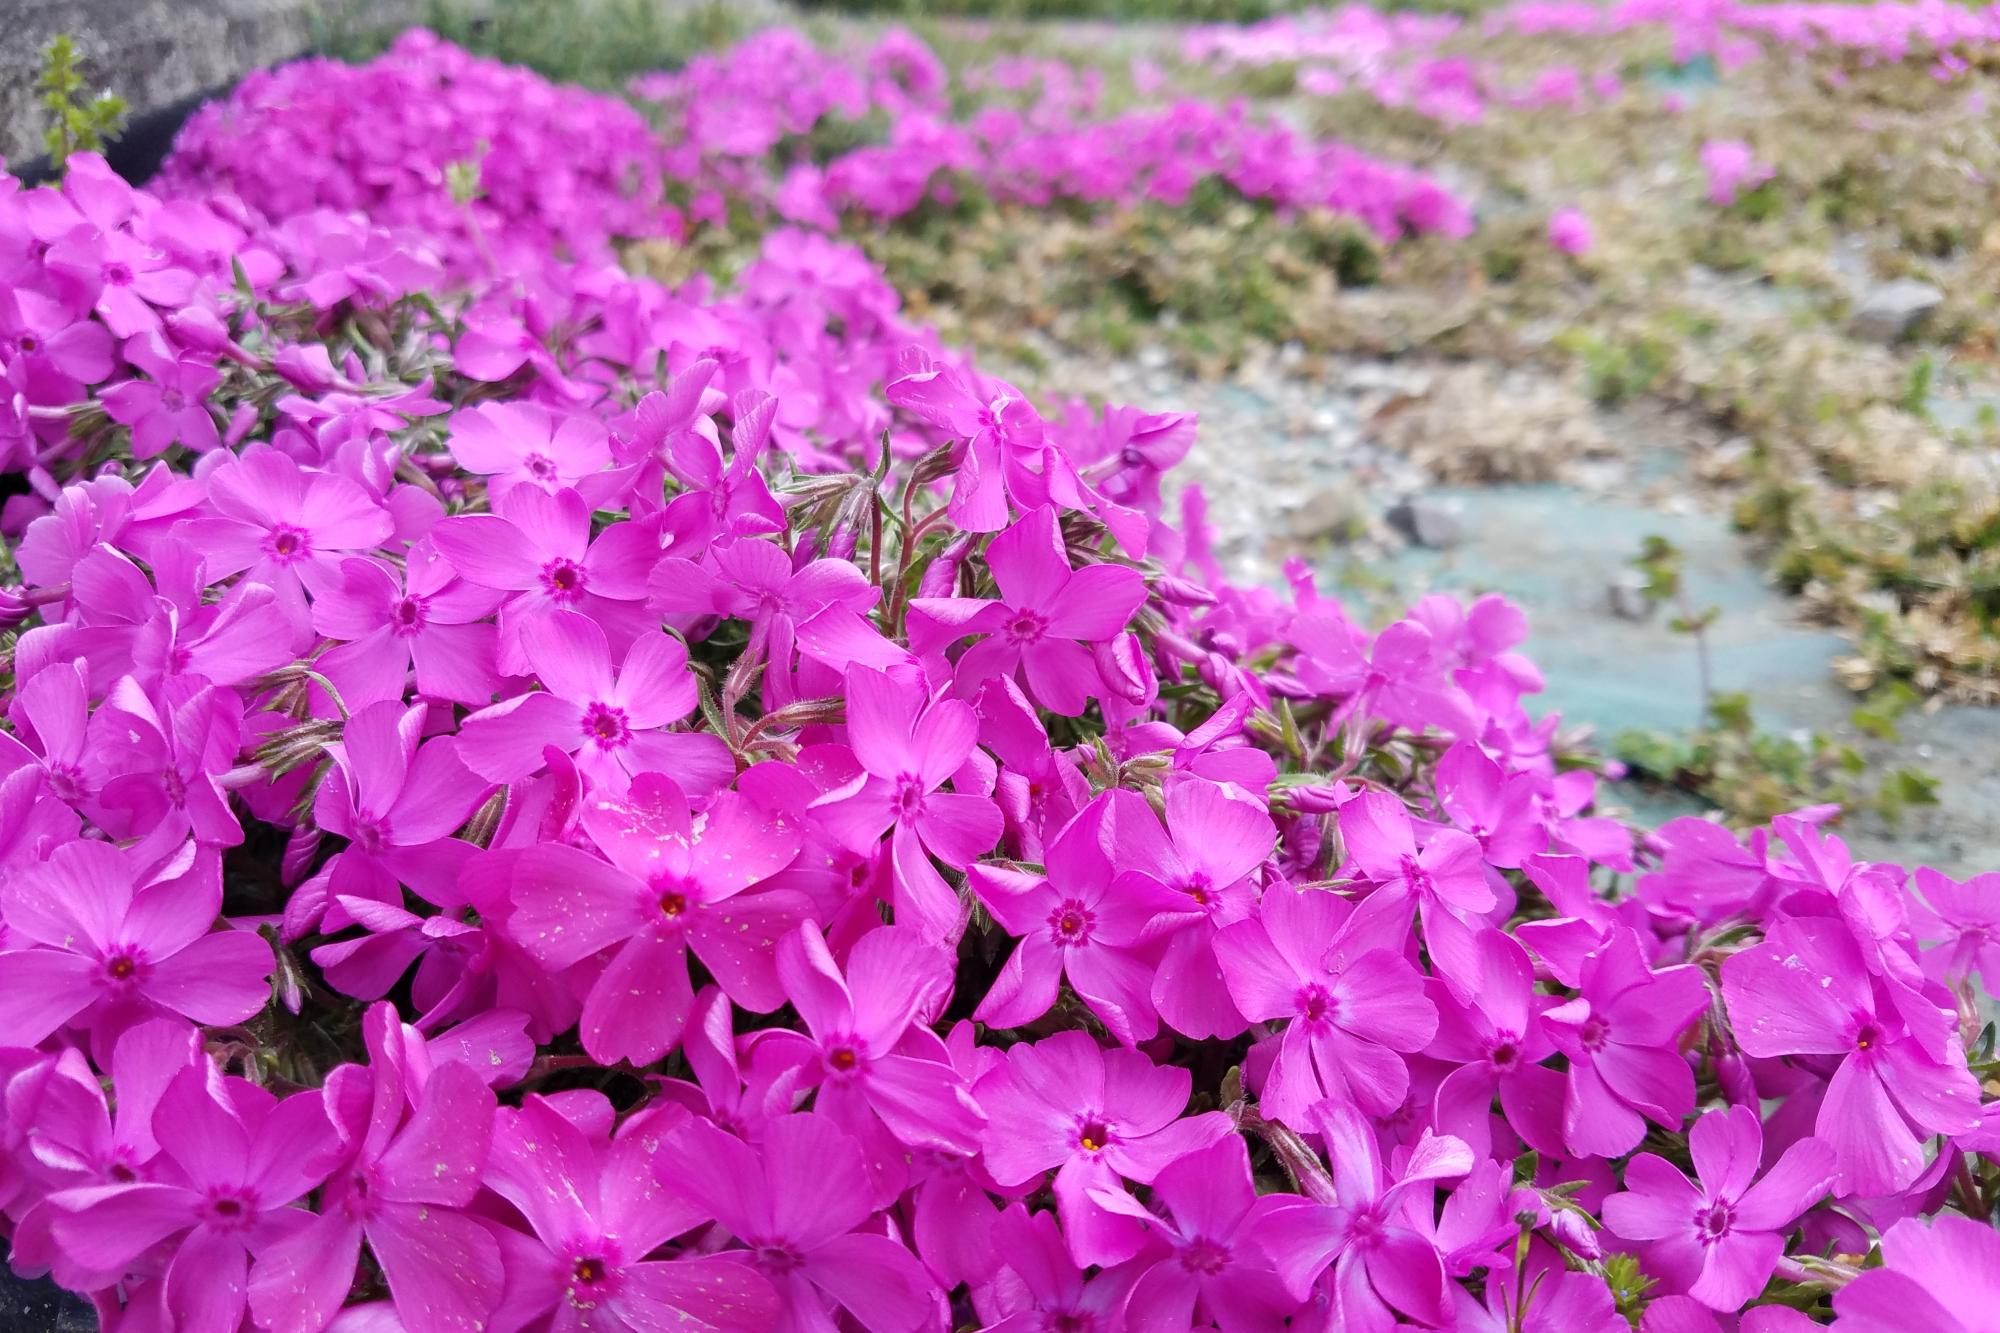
<point x="220" y="978"/>
<point x="878" y="1281"/>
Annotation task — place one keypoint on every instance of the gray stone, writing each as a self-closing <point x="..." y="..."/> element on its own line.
<point x="1428" y="521"/>
<point x="1891" y="309"/>
<point x="1627" y="595"/>
<point x="158" y="53"/>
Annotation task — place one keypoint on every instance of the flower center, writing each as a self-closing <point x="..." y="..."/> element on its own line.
<point x="121" y="967"/>
<point x="1205" y="1257"/>
<point x="843" y="1058"/>
<point x="1026" y="626"/>
<point x="606" y="726"/>
<point x="66" y="781"/>
<point x="673" y="904"/>
<point x="1868" y="1037"/>
<point x="909" y="798"/>
<point x="1093" y="1135"/>
<point x="406" y="615"/>
<point x="563" y="579"/>
<point x="588" y="1271"/>
<point x="287" y="544"/>
<point x="1419" y="878"/>
<point x="369" y="834"/>
<point x="1594" y="1034"/>
<point x="1712" y="1224"/>
<point x="173" y="399"/>
<point x="228" y="1211"/>
<point x="1199" y="888"/>
<point x="540" y="466"/>
<point x="776" y="1257"/>
<point x="1316" y="1006"/>
<point x="1505" y="1053"/>
<point x="118" y="275"/>
<point x="1070" y="923"/>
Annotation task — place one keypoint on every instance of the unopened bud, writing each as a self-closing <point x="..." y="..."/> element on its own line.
<point x="1125" y="670"/>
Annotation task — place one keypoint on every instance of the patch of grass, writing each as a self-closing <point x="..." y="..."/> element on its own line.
<point x="595" y="43"/>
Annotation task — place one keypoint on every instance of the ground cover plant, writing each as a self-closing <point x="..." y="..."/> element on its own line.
<point x="538" y="796"/>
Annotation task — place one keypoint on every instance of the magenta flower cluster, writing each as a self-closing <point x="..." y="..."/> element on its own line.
<point x="533" y="799"/>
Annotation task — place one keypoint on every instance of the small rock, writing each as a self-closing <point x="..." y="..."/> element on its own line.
<point x="1892" y="309"/>
<point x="1330" y="515"/>
<point x="1428" y="521"/>
<point x="1154" y="357"/>
<point x="1627" y="595"/>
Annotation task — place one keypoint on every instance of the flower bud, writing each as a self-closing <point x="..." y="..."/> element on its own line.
<point x="1123" y="666"/>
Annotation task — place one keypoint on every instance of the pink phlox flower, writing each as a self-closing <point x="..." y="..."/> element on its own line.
<point x="528" y="444"/>
<point x="1706" y="873"/>
<point x="396" y="799"/>
<point x="123" y="625"/>
<point x="284" y="527"/>
<point x="79" y="1141"/>
<point x="1072" y="924"/>
<point x="1352" y="1005"/>
<point x="1497" y="808"/>
<point x="1732" y="167"/>
<point x="126" y="281"/>
<point x="1213" y="843"/>
<point x="1806" y="991"/>
<point x="1041" y="1287"/>
<point x="613" y="722"/>
<point x="1495" y="1038"/>
<point x="1214" y="1266"/>
<point x="798" y="1209"/>
<point x="1217" y="750"/>
<point x="1004" y="453"/>
<point x="708" y="1044"/>
<point x="1940" y="1275"/>
<point x="1960" y="921"/>
<point x="342" y="258"/>
<point x="1720" y="1237"/>
<point x="952" y="1208"/>
<point x="163" y="755"/>
<point x="443" y="946"/>
<point x="1046" y="612"/>
<point x="865" y="1048"/>
<point x="113" y="942"/>
<point x="1094" y="1117"/>
<point x="1570" y="232"/>
<point x="665" y="889"/>
<point x="755" y="581"/>
<point x="169" y="406"/>
<point x="423" y="615"/>
<point x="1394" y="678"/>
<point x="1446" y="880"/>
<point x="660" y="418"/>
<point x="739" y="500"/>
<point x="1622" y="1037"/>
<point x="538" y="548"/>
<point x="414" y="1138"/>
<point x="233" y="1160"/>
<point x="1378" y="1236"/>
<point x="597" y="1209"/>
<point x="909" y="745"/>
<point x="50" y="711"/>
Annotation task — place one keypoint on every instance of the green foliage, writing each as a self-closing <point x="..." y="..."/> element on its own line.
<point x="78" y="123"/>
<point x="1617" y="369"/>
<point x="596" y="43"/>
<point x="1752" y="775"/>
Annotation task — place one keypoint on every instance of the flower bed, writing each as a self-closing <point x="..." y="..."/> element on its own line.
<point x="540" y="799"/>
